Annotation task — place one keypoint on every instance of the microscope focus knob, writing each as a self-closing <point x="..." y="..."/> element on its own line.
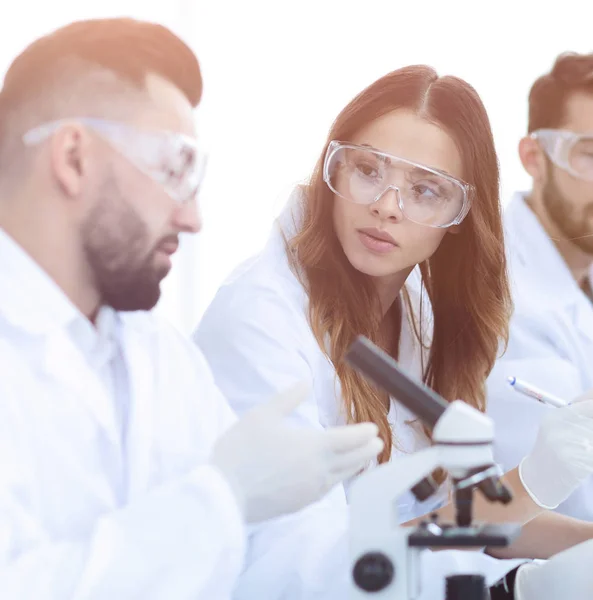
<point x="373" y="572"/>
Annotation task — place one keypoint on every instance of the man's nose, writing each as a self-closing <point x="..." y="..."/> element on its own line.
<point x="187" y="217"/>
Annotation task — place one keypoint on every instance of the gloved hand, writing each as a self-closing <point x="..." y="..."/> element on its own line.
<point x="275" y="467"/>
<point x="562" y="456"/>
<point x="566" y="575"/>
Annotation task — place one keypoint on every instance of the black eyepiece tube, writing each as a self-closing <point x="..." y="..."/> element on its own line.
<point x="381" y="369"/>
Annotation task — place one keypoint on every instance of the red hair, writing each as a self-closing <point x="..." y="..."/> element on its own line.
<point x="465" y="279"/>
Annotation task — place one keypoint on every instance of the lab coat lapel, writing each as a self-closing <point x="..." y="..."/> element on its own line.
<point x="554" y="278"/>
<point x="142" y="389"/>
<point x="584" y="324"/>
<point x="536" y="259"/>
<point x="533" y="255"/>
<point x="64" y="363"/>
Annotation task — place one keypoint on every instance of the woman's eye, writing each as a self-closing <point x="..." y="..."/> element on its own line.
<point x="367" y="170"/>
<point x="425" y="191"/>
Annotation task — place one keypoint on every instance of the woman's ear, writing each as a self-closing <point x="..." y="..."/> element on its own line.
<point x="454" y="229"/>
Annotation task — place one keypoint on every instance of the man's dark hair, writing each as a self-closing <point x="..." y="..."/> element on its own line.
<point x="129" y="48"/>
<point x="572" y="73"/>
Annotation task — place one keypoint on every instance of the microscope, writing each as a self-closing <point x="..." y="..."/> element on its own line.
<point x="386" y="555"/>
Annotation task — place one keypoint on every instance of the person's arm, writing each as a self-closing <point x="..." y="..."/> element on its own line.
<point x="547" y="535"/>
<point x="559" y="462"/>
<point x="543" y="533"/>
<point x="182" y="540"/>
<point x="517" y="421"/>
<point x="521" y="509"/>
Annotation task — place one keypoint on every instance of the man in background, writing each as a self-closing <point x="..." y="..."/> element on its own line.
<point x="549" y="235"/>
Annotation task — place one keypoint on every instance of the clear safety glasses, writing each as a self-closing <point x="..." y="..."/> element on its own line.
<point x="170" y="159"/>
<point x="425" y="196"/>
<point x="570" y="151"/>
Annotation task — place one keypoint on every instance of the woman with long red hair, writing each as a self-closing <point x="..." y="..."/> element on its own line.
<point x="396" y="236"/>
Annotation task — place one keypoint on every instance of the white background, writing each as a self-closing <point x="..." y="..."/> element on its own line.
<point x="277" y="73"/>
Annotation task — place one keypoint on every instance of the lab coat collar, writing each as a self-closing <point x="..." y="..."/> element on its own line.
<point x="32" y="302"/>
<point x="539" y="274"/>
<point x="61" y="342"/>
<point x="290" y="219"/>
<point x="537" y="257"/>
<point x="287" y="226"/>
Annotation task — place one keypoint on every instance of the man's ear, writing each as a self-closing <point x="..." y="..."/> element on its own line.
<point x="67" y="158"/>
<point x="533" y="158"/>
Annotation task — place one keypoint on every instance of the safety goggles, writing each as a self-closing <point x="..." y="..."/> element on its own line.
<point x="425" y="196"/>
<point x="570" y="151"/>
<point x="170" y="159"/>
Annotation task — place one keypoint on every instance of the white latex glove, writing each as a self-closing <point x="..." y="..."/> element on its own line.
<point x="562" y="456"/>
<point x="588" y="395"/>
<point x="275" y="467"/>
<point x="567" y="575"/>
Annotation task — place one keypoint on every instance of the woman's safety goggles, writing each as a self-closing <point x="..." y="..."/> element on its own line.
<point x="570" y="151"/>
<point x="170" y="159"/>
<point x="425" y="196"/>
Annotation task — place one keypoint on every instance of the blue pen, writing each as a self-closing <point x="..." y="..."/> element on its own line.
<point x="529" y="390"/>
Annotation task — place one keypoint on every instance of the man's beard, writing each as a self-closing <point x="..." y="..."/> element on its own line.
<point x="575" y="224"/>
<point x="116" y="245"/>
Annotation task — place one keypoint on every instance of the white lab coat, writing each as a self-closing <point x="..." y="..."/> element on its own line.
<point x="98" y="502"/>
<point x="550" y="345"/>
<point x="256" y="337"/>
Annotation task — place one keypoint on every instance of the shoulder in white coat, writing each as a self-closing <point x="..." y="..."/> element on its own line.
<point x="255" y="334"/>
